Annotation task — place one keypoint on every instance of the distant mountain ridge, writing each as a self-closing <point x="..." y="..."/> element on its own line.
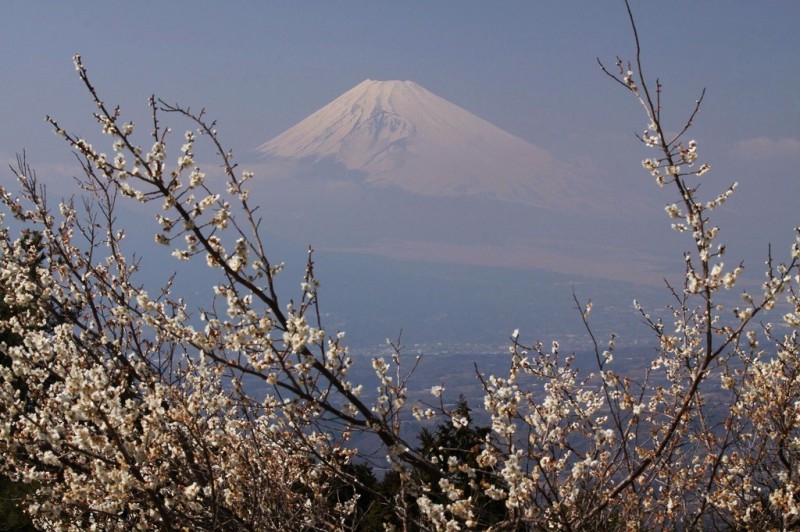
<point x="397" y="133"/>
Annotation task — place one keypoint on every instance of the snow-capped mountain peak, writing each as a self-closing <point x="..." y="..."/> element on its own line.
<point x="398" y="133"/>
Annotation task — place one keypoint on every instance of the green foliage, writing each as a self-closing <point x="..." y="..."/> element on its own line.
<point x="380" y="500"/>
<point x="464" y="443"/>
<point x="12" y="518"/>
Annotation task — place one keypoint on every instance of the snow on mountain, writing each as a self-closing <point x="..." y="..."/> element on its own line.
<point x="398" y="133"/>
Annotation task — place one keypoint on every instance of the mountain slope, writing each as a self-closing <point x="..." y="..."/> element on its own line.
<point x="398" y="133"/>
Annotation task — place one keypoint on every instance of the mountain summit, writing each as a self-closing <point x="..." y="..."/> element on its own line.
<point x="398" y="133"/>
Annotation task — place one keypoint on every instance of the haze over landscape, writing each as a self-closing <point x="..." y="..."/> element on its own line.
<point x="474" y="195"/>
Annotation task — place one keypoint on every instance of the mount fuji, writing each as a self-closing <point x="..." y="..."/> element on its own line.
<point x="431" y="219"/>
<point x="389" y="169"/>
<point x="398" y="134"/>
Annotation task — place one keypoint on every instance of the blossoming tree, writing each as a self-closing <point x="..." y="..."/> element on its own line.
<point x="127" y="408"/>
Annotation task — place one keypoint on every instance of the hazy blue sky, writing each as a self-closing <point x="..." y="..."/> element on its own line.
<point x="528" y="67"/>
